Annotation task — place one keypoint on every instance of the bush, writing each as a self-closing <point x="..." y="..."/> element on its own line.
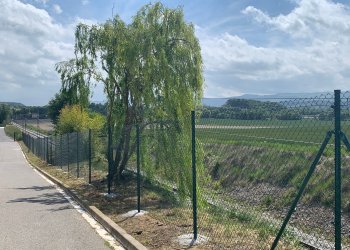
<point x="10" y="130"/>
<point x="75" y="119"/>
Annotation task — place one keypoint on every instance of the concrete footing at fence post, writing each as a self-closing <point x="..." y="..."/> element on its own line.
<point x="109" y="195"/>
<point x="134" y="213"/>
<point x="188" y="240"/>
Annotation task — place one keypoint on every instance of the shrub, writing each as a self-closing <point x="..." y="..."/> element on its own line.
<point x="75" y="119"/>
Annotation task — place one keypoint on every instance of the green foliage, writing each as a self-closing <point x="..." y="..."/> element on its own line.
<point x="76" y="119"/>
<point x="253" y="104"/>
<point x="151" y="70"/>
<point x="75" y="86"/>
<point x="29" y="111"/>
<point x="10" y="130"/>
<point x="59" y="101"/>
<point x="243" y="109"/>
<point x="98" y="108"/>
<point x="96" y="121"/>
<point x="289" y="115"/>
<point x="4" y="113"/>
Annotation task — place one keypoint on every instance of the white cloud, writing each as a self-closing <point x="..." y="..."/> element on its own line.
<point x="322" y="18"/>
<point x="314" y="57"/>
<point x="57" y="9"/>
<point x="317" y="52"/>
<point x="31" y="43"/>
<point x="232" y="55"/>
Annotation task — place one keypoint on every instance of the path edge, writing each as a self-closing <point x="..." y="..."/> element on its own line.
<point x="114" y="229"/>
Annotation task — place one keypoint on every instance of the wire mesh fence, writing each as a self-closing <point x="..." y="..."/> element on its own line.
<point x="345" y="170"/>
<point x="231" y="176"/>
<point x="166" y="167"/>
<point x="35" y="124"/>
<point x="257" y="153"/>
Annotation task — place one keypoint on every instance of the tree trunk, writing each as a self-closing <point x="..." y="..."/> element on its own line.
<point x="122" y="149"/>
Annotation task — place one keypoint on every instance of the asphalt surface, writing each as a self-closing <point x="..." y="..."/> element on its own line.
<point x="33" y="214"/>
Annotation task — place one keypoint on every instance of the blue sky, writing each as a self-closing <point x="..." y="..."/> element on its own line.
<point x="248" y="46"/>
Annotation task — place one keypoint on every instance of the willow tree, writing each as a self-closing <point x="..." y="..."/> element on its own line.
<point x="151" y="70"/>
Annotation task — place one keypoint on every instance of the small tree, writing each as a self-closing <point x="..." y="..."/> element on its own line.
<point x="75" y="119"/>
<point x="63" y="98"/>
<point x="4" y="113"/>
<point x="151" y="71"/>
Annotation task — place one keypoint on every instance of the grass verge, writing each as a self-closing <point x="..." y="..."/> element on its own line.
<point x="12" y="131"/>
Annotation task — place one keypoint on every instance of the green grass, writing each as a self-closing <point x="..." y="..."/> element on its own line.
<point x="304" y="132"/>
<point x="10" y="130"/>
<point x="285" y="123"/>
<point x="274" y="152"/>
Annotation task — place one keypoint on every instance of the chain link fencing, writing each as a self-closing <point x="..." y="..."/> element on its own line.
<point x="166" y="169"/>
<point x="257" y="154"/>
<point x="245" y="174"/>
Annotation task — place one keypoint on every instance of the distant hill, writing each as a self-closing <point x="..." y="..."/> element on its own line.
<point x="218" y="102"/>
<point x="14" y="104"/>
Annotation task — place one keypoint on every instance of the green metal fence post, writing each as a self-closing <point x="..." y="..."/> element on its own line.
<point x="78" y="170"/>
<point x="194" y="176"/>
<point x="55" y="158"/>
<point x="89" y="156"/>
<point x="110" y="158"/>
<point x="68" y="154"/>
<point x="47" y="149"/>
<point x="41" y="148"/>
<point x="14" y="136"/>
<point x="38" y="147"/>
<point x="337" y="169"/>
<point x="50" y="153"/>
<point x="61" y="154"/>
<point x="138" y="168"/>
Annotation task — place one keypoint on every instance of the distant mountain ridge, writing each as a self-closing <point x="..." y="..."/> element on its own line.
<point x="217" y="102"/>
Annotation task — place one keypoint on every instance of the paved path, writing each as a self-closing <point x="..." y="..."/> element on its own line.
<point x="33" y="214"/>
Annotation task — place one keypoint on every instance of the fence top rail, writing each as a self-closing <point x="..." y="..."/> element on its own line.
<point x="28" y="131"/>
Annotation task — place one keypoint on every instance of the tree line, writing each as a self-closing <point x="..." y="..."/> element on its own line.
<point x="243" y="109"/>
